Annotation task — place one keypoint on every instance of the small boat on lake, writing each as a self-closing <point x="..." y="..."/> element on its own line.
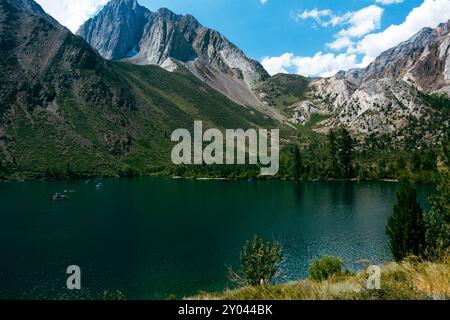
<point x="59" y="197"/>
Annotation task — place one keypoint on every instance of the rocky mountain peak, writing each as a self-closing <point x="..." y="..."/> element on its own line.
<point x="121" y="22"/>
<point x="387" y="97"/>
<point x="164" y="12"/>
<point x="443" y="28"/>
<point x="420" y="39"/>
<point x="59" y="97"/>
<point x="126" y="3"/>
<point x="423" y="61"/>
<point x="122" y="8"/>
<point x="34" y="8"/>
<point x="174" y="41"/>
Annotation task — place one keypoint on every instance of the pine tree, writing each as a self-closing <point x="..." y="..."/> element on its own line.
<point x="333" y="149"/>
<point x="345" y="153"/>
<point x="297" y="166"/>
<point x="406" y="229"/>
<point x="438" y="218"/>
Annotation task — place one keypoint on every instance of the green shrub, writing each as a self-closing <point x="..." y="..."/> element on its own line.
<point x="260" y="263"/>
<point x="323" y="269"/>
<point x="114" y="296"/>
<point x="171" y="297"/>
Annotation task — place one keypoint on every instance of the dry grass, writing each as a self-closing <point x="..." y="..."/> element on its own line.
<point x="409" y="280"/>
<point x="430" y="279"/>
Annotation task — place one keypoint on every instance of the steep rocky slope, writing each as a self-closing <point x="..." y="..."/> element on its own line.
<point x="65" y="111"/>
<point x="388" y="107"/>
<point x="40" y="62"/>
<point x="379" y="107"/>
<point x="422" y="61"/>
<point x="116" y="30"/>
<point x="388" y="98"/>
<point x="125" y="30"/>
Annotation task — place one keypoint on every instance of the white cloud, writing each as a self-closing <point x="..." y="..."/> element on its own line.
<point x="362" y="48"/>
<point x="362" y="21"/>
<point x="355" y="24"/>
<point x="320" y="64"/>
<point x="359" y="22"/>
<point x="263" y="1"/>
<point x="429" y="14"/>
<point x="317" y="15"/>
<point x="280" y="64"/>
<point x="340" y="43"/>
<point x="324" y="65"/>
<point x="387" y="2"/>
<point x="71" y="13"/>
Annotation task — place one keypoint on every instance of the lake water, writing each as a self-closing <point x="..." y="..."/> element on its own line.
<point x="155" y="237"/>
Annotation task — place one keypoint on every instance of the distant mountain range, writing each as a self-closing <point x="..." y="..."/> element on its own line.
<point x="106" y="102"/>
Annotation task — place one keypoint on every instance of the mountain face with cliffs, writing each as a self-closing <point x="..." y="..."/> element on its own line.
<point x="66" y="112"/>
<point x="422" y="61"/>
<point x="124" y="30"/>
<point x="379" y="99"/>
<point x="389" y="97"/>
<point x="40" y="63"/>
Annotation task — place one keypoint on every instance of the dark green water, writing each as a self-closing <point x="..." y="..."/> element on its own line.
<point x="154" y="237"/>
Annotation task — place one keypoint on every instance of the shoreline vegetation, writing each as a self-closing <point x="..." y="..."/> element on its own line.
<point x="304" y="155"/>
<point x="411" y="279"/>
<point x="205" y="178"/>
<point x="294" y="165"/>
<point x="291" y="169"/>
<point x="233" y="176"/>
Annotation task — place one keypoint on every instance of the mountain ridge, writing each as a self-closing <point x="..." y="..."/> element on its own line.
<point x="388" y="97"/>
<point x="422" y="61"/>
<point x="65" y="112"/>
<point x="174" y="41"/>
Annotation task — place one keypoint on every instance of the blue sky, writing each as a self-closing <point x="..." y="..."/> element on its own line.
<point x="269" y="30"/>
<point x="308" y="37"/>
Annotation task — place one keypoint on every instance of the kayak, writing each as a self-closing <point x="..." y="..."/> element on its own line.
<point x="59" y="197"/>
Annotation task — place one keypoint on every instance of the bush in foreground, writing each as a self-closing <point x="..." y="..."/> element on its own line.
<point x="114" y="295"/>
<point x="325" y="268"/>
<point x="260" y="263"/>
